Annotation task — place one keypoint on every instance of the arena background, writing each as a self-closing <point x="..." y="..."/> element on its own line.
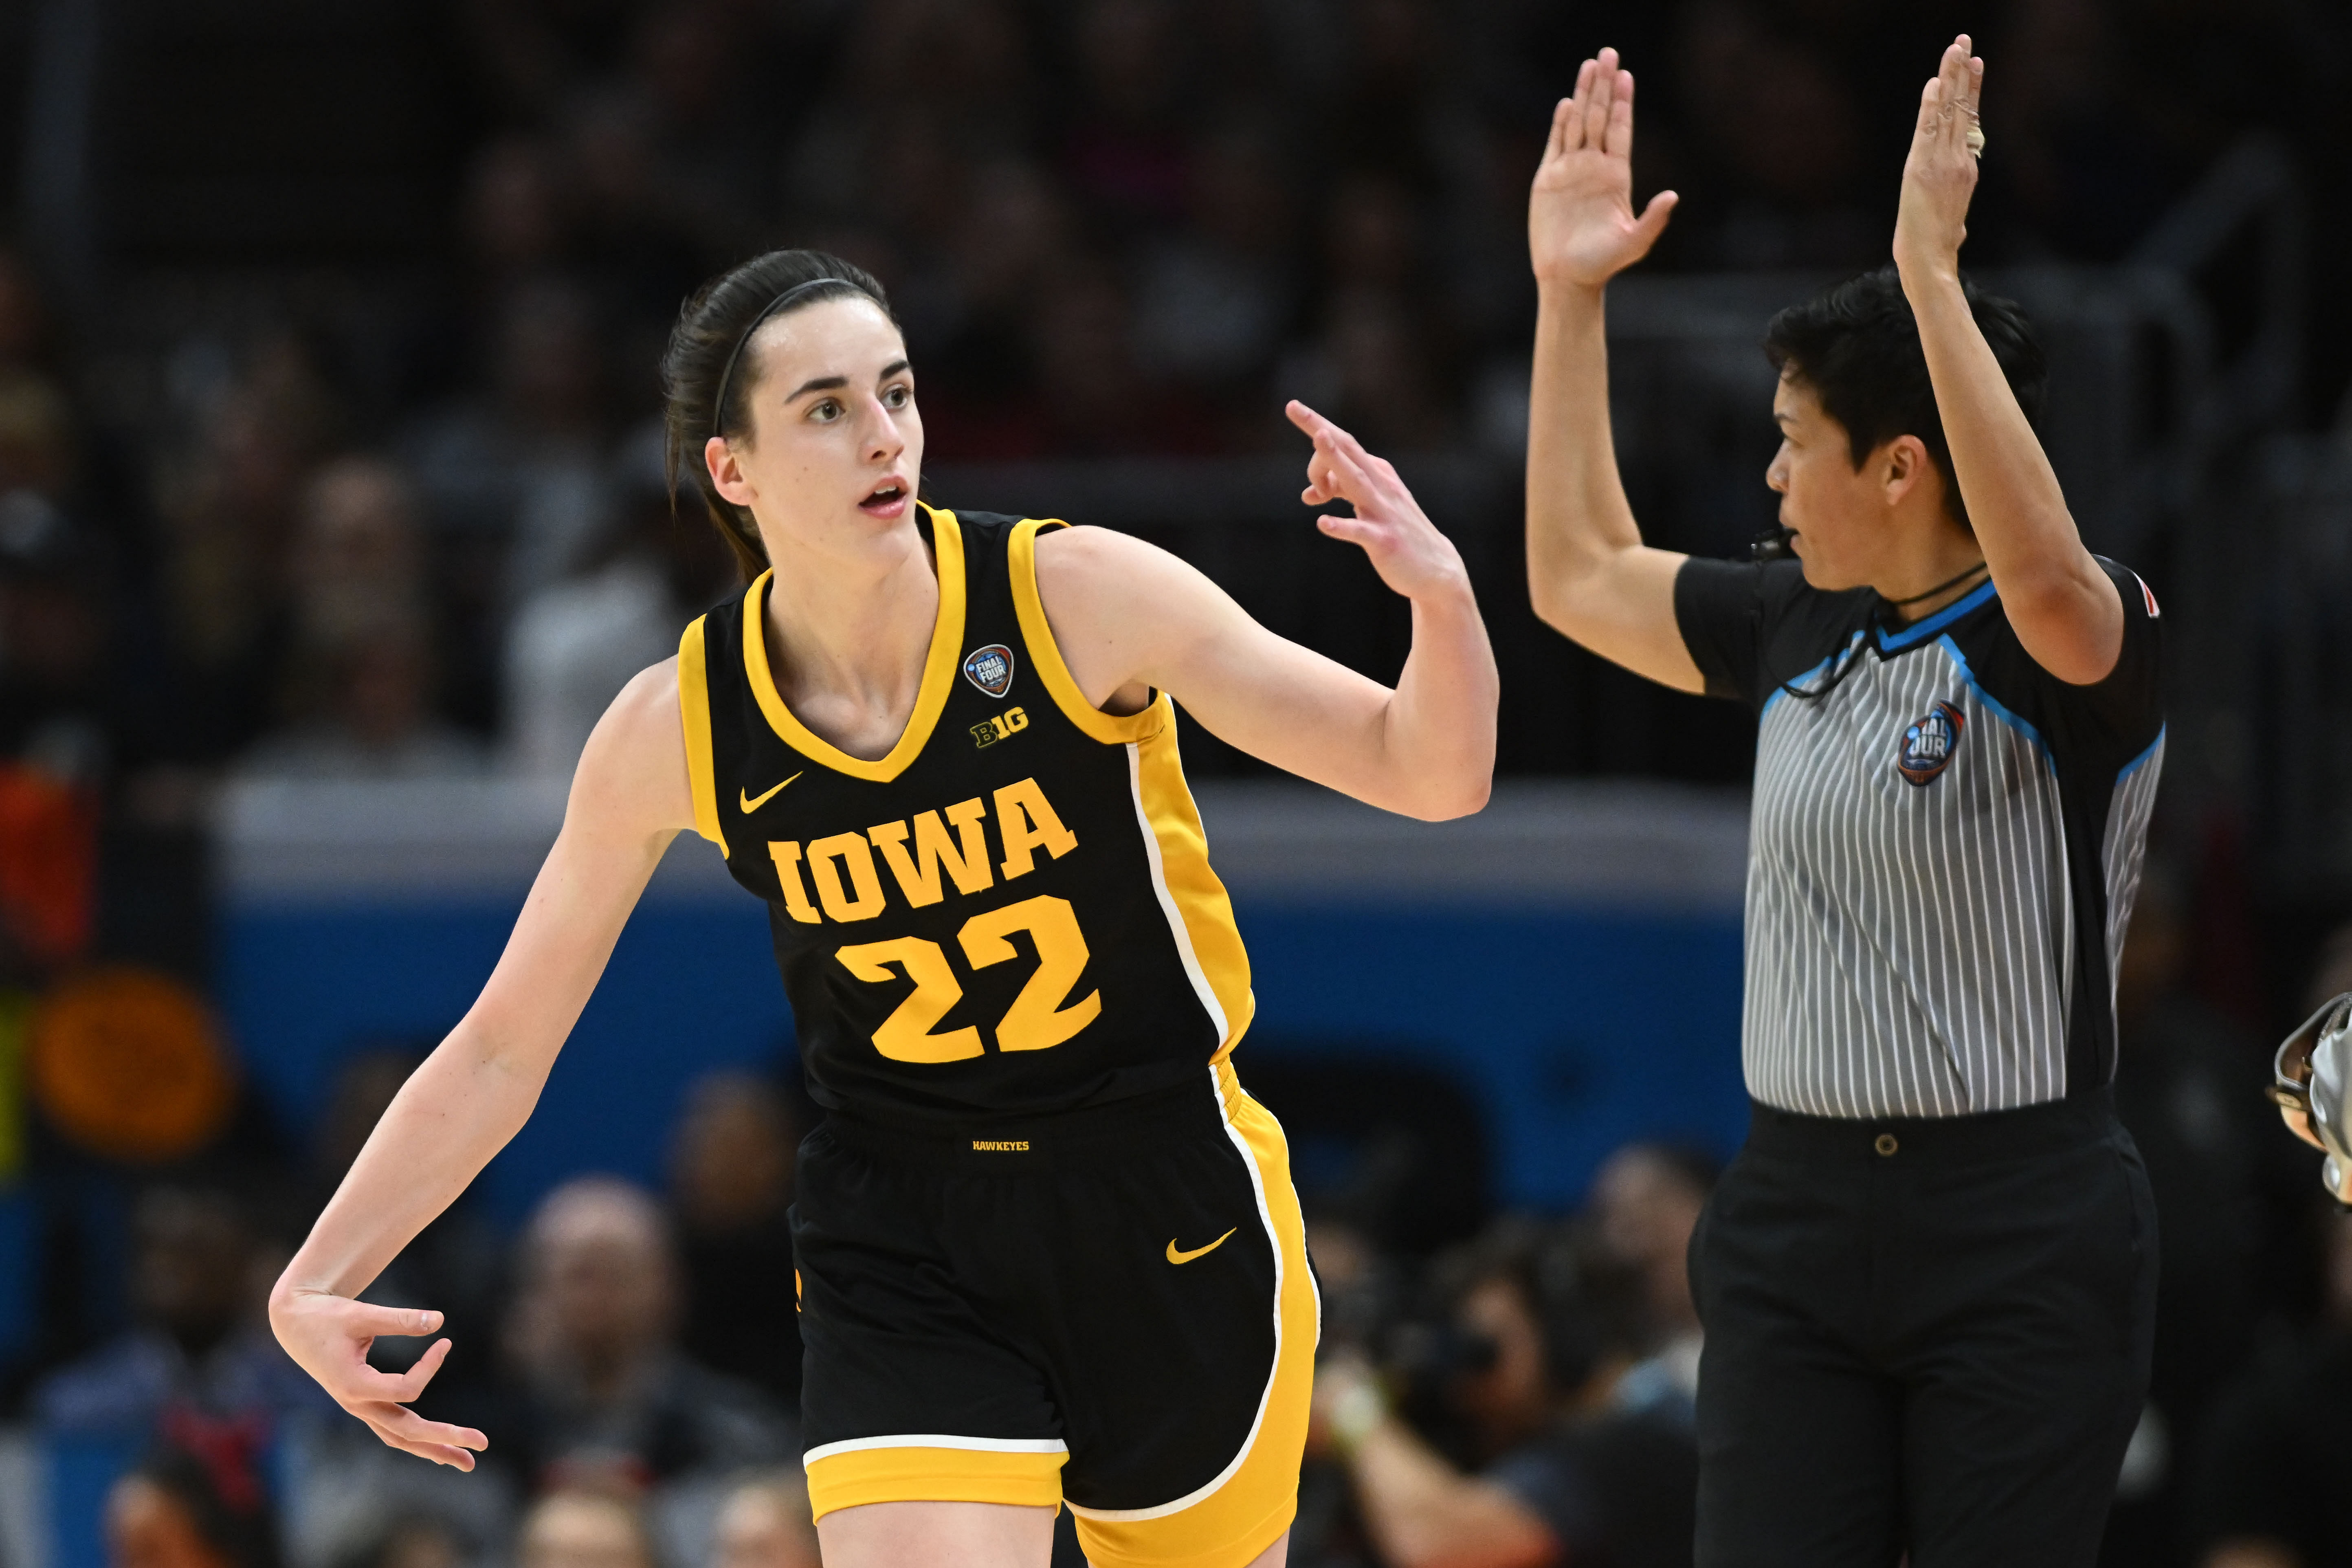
<point x="331" y="511"/>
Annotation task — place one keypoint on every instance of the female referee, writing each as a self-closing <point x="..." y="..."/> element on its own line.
<point x="1927" y="1281"/>
<point x="1047" y="1249"/>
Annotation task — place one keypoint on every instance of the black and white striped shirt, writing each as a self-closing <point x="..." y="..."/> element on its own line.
<point x="1944" y="848"/>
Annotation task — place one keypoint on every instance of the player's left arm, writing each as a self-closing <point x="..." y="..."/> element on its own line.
<point x="2063" y="608"/>
<point x="1130" y="618"/>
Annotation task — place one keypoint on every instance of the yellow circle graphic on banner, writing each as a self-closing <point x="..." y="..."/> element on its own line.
<point x="130" y="1065"/>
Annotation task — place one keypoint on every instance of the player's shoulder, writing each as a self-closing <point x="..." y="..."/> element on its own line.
<point x="1102" y="563"/>
<point x="632" y="772"/>
<point x="648" y="707"/>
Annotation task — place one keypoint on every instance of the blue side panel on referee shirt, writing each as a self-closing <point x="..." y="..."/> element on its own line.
<point x="1946" y="842"/>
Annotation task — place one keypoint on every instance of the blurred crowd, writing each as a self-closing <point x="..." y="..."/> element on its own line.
<point x="1496" y="1388"/>
<point x="632" y="1356"/>
<point x="1113" y="228"/>
<point x="437" y="540"/>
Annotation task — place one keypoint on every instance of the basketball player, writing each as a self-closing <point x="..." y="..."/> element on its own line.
<point x="1047" y="1249"/>
<point x="1928" y="1282"/>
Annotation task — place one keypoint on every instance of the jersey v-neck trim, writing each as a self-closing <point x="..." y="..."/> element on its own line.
<point x="1924" y="630"/>
<point x="939" y="668"/>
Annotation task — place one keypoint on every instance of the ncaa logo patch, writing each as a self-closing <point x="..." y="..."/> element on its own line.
<point x="990" y="669"/>
<point x="1929" y="744"/>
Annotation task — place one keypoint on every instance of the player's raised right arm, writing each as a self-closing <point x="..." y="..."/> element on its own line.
<point x="1588" y="574"/>
<point x="629" y="798"/>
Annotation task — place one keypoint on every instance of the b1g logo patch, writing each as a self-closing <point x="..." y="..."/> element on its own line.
<point x="990" y="669"/>
<point x="1003" y="727"/>
<point x="1929" y="744"/>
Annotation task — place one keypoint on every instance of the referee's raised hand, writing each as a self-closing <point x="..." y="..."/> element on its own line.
<point x="1582" y="227"/>
<point x="1939" y="177"/>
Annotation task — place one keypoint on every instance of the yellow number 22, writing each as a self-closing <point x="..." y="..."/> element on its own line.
<point x="1037" y="1018"/>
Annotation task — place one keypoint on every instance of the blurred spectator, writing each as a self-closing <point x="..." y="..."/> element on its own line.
<point x="358" y="560"/>
<point x="602" y="1396"/>
<point x="731" y="1184"/>
<point x="62" y="727"/>
<point x="376" y="719"/>
<point x="1644" y="1202"/>
<point x="2182" y="1091"/>
<point x="181" y="1509"/>
<point x="1374" y="370"/>
<point x="229" y="500"/>
<point x="199" y="1281"/>
<point x="1392" y="104"/>
<point x="2096" y="164"/>
<point x="412" y="1540"/>
<point x="574" y="644"/>
<point x="1540" y="1324"/>
<point x="1125" y="151"/>
<point x="577" y="1528"/>
<point x="765" y="1523"/>
<point x="1783" y="125"/>
<point x="37" y="435"/>
<point x="518" y="212"/>
<point x="519" y="470"/>
<point x="2259" y="1503"/>
<point x="1216" y="298"/>
<point x="979" y="382"/>
<point x="26" y="342"/>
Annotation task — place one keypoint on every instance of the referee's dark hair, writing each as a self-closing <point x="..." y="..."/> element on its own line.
<point x="1858" y="345"/>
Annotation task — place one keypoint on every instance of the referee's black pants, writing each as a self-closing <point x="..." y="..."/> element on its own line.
<point x="1928" y="1337"/>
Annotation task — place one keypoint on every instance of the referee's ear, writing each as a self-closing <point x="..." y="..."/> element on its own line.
<point x="1907" y="474"/>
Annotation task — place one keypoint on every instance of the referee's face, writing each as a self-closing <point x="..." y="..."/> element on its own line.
<point x="1842" y="519"/>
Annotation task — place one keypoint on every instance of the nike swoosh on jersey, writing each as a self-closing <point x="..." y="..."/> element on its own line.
<point x="751" y="805"/>
<point x="1176" y="1256"/>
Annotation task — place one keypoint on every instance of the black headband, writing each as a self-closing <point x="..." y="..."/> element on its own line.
<point x="719" y="407"/>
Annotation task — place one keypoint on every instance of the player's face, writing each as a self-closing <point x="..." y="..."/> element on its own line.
<point x="1839" y="513"/>
<point x="835" y="443"/>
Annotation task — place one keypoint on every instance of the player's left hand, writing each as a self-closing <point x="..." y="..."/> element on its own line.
<point x="1407" y="550"/>
<point x="1939" y="177"/>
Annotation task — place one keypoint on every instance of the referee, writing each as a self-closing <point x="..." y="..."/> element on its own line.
<point x="1928" y="1282"/>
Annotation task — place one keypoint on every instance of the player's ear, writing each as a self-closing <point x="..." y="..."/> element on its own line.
<point x="726" y="473"/>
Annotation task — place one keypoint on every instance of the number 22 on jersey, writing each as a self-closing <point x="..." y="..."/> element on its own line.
<point x="1037" y="1019"/>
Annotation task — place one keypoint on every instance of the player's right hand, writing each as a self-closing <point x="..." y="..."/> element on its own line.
<point x="1581" y="228"/>
<point x="329" y="1336"/>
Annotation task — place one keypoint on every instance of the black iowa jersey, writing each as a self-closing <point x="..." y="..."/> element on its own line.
<point x="1010" y="913"/>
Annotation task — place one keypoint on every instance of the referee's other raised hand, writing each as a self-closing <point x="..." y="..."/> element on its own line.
<point x="1582" y="227"/>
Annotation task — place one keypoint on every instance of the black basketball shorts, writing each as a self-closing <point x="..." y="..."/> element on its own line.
<point x="1110" y="1308"/>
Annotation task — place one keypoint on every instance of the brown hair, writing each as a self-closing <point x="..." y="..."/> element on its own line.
<point x="709" y="336"/>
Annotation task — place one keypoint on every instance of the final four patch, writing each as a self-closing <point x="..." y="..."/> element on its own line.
<point x="990" y="669"/>
<point x="1929" y="744"/>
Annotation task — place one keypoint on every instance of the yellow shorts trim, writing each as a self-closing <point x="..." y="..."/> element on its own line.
<point x="933" y="1474"/>
<point x="1251" y="1506"/>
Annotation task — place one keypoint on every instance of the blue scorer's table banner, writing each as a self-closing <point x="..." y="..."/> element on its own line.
<point x="1569" y="959"/>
